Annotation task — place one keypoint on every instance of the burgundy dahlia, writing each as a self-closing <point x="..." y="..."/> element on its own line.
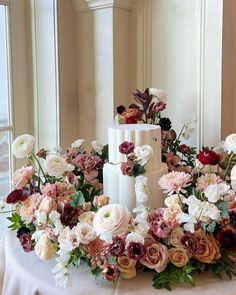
<point x="227" y="240"/>
<point x="16" y="196"/>
<point x="208" y="157"/>
<point x="70" y="215"/>
<point x="26" y="242"/>
<point x="126" y="147"/>
<point x="117" y="246"/>
<point x="184" y="149"/>
<point x="135" y="250"/>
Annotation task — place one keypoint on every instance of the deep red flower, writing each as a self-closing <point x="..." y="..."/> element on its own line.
<point x="208" y="157"/>
<point x="110" y="273"/>
<point x="127" y="168"/>
<point x="126" y="147"/>
<point x="26" y="242"/>
<point x="135" y="250"/>
<point x="70" y="215"/>
<point x="131" y="120"/>
<point x="227" y="240"/>
<point x="184" y="149"/>
<point x="117" y="246"/>
<point x="15" y="196"/>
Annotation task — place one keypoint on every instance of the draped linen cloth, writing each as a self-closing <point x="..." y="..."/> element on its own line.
<point x="25" y="274"/>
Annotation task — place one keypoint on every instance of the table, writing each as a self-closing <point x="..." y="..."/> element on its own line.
<point x="26" y="274"/>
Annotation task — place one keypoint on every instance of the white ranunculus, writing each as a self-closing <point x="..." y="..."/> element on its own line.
<point x="78" y="143"/>
<point x="143" y="153"/>
<point x="85" y="233"/>
<point x="230" y="143"/>
<point x="134" y="237"/>
<point x="22" y="146"/>
<point x="189" y="127"/>
<point x="55" y="165"/>
<point x="159" y="93"/>
<point x="175" y="199"/>
<point x="44" y="248"/>
<point x="111" y="220"/>
<point x="98" y="147"/>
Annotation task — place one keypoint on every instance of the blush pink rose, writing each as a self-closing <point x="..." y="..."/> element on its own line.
<point x="22" y="176"/>
<point x="29" y="207"/>
<point x="156" y="257"/>
<point x="47" y="205"/>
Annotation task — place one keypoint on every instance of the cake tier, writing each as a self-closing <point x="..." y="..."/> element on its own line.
<point x="139" y="134"/>
<point x="121" y="188"/>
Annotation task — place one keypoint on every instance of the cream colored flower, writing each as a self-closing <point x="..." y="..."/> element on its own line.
<point x="230" y="143"/>
<point x="55" y="165"/>
<point x="78" y="143"/>
<point x="23" y="145"/>
<point x="85" y="233"/>
<point x="87" y="217"/>
<point x="179" y="256"/>
<point x="143" y="153"/>
<point x="126" y="267"/>
<point x="98" y="147"/>
<point x="45" y="249"/>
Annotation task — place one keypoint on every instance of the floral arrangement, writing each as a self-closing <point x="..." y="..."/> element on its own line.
<point x="59" y="211"/>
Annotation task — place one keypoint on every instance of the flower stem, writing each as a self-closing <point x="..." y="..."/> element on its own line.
<point x="39" y="165"/>
<point x="228" y="165"/>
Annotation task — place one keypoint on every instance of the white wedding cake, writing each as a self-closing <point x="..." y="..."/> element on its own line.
<point x="121" y="188"/>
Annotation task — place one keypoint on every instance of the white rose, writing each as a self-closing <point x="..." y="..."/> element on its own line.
<point x="78" y="143"/>
<point x="230" y="143"/>
<point x="23" y="145"/>
<point x="85" y="233"/>
<point x="134" y="237"/>
<point x="98" y="147"/>
<point x="45" y="249"/>
<point x="87" y="217"/>
<point x="159" y="93"/>
<point x="143" y="153"/>
<point x="175" y="199"/>
<point x="55" y="165"/>
<point x="111" y="220"/>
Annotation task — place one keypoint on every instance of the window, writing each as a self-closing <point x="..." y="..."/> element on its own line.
<point x="6" y="128"/>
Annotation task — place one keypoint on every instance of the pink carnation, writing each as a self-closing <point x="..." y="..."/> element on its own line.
<point x="204" y="180"/>
<point x="175" y="182"/>
<point x="22" y="176"/>
<point x="158" y="225"/>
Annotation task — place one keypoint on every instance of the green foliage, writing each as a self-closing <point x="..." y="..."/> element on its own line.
<point x="173" y="275"/>
<point x="75" y="257"/>
<point x="77" y="199"/>
<point x="223" y="269"/>
<point x="104" y="155"/>
<point x="138" y="170"/>
<point x="16" y="222"/>
<point x="223" y="207"/>
<point x="209" y="227"/>
<point x="88" y="191"/>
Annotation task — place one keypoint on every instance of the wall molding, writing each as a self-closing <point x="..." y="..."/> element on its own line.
<point x="86" y="5"/>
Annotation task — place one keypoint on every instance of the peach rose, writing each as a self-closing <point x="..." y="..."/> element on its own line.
<point x="208" y="249"/>
<point x="171" y="215"/>
<point x="156" y="257"/>
<point x="178" y="256"/>
<point x="126" y="267"/>
<point x="47" y="205"/>
<point x="175" y="236"/>
<point x="22" y="176"/>
<point x="29" y="207"/>
<point x="101" y="200"/>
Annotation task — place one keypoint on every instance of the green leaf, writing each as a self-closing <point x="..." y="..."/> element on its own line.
<point x="16" y="222"/>
<point x="138" y="170"/>
<point x="223" y="207"/>
<point x="211" y="226"/>
<point x="77" y="199"/>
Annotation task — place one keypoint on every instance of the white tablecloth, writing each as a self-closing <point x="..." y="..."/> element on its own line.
<point x="26" y="274"/>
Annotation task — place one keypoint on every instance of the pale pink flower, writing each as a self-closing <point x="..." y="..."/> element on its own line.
<point x="22" y="176"/>
<point x="175" y="182"/>
<point x="206" y="179"/>
<point x="29" y="207"/>
<point x="47" y="205"/>
<point x="51" y="190"/>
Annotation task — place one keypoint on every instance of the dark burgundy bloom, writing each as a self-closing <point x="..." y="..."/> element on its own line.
<point x="117" y="246"/>
<point x="126" y="147"/>
<point x="208" y="157"/>
<point x="16" y="196"/>
<point x="120" y="109"/>
<point x="144" y="99"/>
<point x="227" y="240"/>
<point x="159" y="106"/>
<point x="21" y="231"/>
<point x="190" y="242"/>
<point x="127" y="168"/>
<point x="232" y="219"/>
<point x="26" y="242"/>
<point x="131" y="120"/>
<point x="135" y="250"/>
<point x="110" y="273"/>
<point x="70" y="215"/>
<point x="184" y="149"/>
<point x="165" y="124"/>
